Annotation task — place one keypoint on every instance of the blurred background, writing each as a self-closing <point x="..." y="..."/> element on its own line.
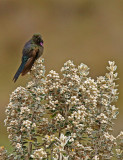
<point x="84" y="31"/>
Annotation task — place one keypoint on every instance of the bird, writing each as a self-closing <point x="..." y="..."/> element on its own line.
<point x="32" y="50"/>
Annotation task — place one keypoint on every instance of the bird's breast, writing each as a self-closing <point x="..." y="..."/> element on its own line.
<point x="40" y="52"/>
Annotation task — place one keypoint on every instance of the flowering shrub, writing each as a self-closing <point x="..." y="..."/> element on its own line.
<point x="68" y="118"/>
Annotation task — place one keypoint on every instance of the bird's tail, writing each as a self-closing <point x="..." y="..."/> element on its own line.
<point x="20" y="69"/>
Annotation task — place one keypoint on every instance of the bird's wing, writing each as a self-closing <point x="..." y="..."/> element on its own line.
<point x="30" y="62"/>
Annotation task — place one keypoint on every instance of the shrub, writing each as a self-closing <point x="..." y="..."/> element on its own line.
<point x="68" y="118"/>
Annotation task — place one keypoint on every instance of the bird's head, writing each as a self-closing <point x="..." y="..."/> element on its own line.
<point x="37" y="39"/>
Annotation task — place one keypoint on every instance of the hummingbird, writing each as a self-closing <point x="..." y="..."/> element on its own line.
<point x="32" y="50"/>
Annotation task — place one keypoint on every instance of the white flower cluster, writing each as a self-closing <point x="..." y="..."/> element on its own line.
<point x="65" y="118"/>
<point x="59" y="117"/>
<point x="23" y="112"/>
<point x="17" y="111"/>
<point x="109" y="137"/>
<point x="78" y="117"/>
<point x="102" y="118"/>
<point x="39" y="154"/>
<point x="24" y="109"/>
<point x="83" y="69"/>
<point x="19" y="146"/>
<point x="37" y="71"/>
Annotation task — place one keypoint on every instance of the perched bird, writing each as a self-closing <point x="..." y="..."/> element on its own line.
<point x="32" y="50"/>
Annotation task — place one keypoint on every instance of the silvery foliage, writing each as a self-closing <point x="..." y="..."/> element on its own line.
<point x="68" y="118"/>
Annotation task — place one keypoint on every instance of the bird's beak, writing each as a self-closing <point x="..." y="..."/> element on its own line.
<point x="41" y="44"/>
